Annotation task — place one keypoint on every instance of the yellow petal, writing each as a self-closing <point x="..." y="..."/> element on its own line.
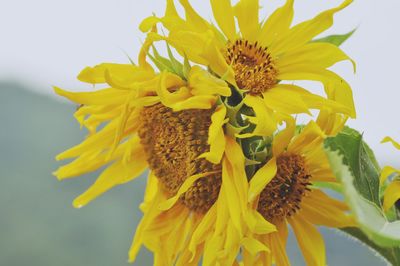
<point x="216" y="137"/>
<point x="278" y="249"/>
<point x="285" y="101"/>
<point x="277" y="24"/>
<point x="392" y="195"/>
<point x="148" y="23"/>
<point x="200" y="234"/>
<point x="167" y="81"/>
<point x="310" y="240"/>
<point x="99" y="97"/>
<point x="281" y="141"/>
<point x="331" y="123"/>
<point x="194" y="102"/>
<point x="264" y="119"/>
<point x="323" y="55"/>
<point x="223" y="13"/>
<point x="126" y="72"/>
<point x="193" y="18"/>
<point x="394" y="143"/>
<point x="320" y="209"/>
<point x="229" y="191"/>
<point x="253" y="246"/>
<point x="262" y="177"/>
<point x="306" y="31"/>
<point x="246" y="12"/>
<point x="257" y="223"/>
<point x="311" y="136"/>
<point x="149" y="215"/>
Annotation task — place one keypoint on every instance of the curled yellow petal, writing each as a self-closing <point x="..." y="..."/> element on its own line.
<point x="216" y="137"/>
<point x="392" y="141"/>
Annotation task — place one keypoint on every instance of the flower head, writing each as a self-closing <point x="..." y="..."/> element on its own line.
<point x="284" y="192"/>
<point x="260" y="58"/>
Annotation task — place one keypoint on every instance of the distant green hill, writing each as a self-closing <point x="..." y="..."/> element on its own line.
<point x="39" y="227"/>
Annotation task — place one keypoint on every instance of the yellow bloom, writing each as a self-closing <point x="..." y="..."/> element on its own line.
<point x="392" y="191"/>
<point x="282" y="192"/>
<point x="259" y="57"/>
<point x="195" y="204"/>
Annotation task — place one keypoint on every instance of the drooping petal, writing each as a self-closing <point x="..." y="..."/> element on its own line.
<point x="246" y="12"/>
<point x="310" y="241"/>
<point x="277" y="24"/>
<point x="223" y="14"/>
<point x="336" y="88"/>
<point x="117" y="174"/>
<point x="392" y="195"/>
<point x="150" y="208"/>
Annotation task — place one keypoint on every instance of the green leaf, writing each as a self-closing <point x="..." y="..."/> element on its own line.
<point x="359" y="157"/>
<point x="336" y="39"/>
<point x="392" y="255"/>
<point x="368" y="215"/>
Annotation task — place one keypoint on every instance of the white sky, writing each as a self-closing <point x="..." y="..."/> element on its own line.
<point x="47" y="42"/>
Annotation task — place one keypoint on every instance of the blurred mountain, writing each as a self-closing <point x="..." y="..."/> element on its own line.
<point x="39" y="227"/>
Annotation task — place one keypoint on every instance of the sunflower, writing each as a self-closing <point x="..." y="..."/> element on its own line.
<point x="284" y="192"/>
<point x="262" y="59"/>
<point x="392" y="191"/>
<point x="195" y="204"/>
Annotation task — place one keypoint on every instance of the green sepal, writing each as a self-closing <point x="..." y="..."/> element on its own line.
<point x="186" y="68"/>
<point x="175" y="64"/>
<point x="337" y="39"/>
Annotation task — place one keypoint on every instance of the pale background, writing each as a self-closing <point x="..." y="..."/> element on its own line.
<point x="47" y="42"/>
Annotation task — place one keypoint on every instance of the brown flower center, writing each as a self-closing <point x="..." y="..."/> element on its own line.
<point x="173" y="142"/>
<point x="253" y="66"/>
<point x="281" y="198"/>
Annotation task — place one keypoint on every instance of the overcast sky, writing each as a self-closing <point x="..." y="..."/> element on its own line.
<point x="47" y="42"/>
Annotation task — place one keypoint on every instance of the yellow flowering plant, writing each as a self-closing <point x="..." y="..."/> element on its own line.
<point x="213" y="123"/>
